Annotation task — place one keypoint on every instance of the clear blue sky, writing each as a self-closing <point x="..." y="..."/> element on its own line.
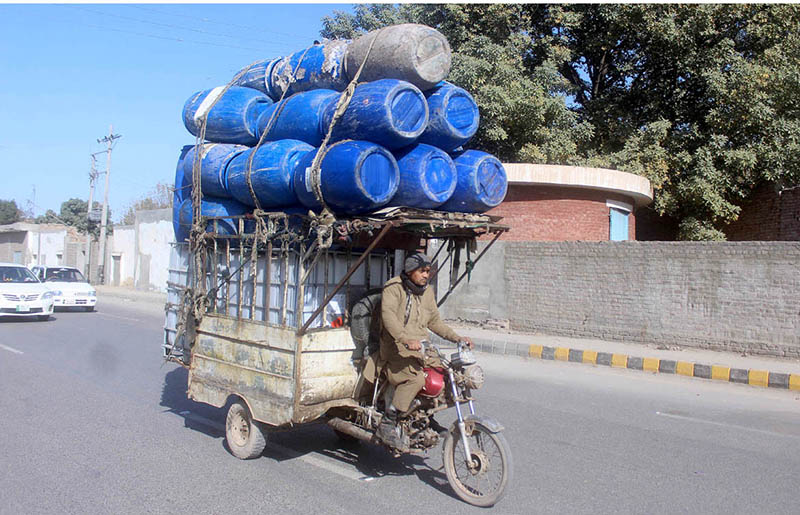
<point x="67" y="72"/>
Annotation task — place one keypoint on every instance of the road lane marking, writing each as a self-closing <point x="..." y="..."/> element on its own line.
<point x="120" y="317"/>
<point x="723" y="424"/>
<point x="290" y="453"/>
<point x="10" y="349"/>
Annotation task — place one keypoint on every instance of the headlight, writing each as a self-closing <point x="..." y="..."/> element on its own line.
<point x="48" y="295"/>
<point x="93" y="293"/>
<point x="473" y="376"/>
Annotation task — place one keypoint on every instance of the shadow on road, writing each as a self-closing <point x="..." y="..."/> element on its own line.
<point x="175" y="400"/>
<point x="25" y="320"/>
<point x="314" y="438"/>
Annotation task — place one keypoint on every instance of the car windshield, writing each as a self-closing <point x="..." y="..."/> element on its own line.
<point x="67" y="275"/>
<point x="16" y="274"/>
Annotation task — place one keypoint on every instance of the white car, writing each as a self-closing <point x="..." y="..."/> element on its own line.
<point x="22" y="294"/>
<point x="69" y="287"/>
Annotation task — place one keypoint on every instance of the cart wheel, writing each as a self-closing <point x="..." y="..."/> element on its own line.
<point x="244" y="435"/>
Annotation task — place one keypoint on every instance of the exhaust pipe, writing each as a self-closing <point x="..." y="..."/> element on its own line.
<point x="350" y="429"/>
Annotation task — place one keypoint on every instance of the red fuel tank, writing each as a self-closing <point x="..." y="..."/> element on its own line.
<point x="434" y="382"/>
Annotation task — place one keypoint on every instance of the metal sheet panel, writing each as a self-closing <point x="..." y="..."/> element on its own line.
<point x="248" y="359"/>
<point x="327" y="372"/>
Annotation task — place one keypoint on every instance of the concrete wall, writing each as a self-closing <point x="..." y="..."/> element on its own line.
<point x="737" y="296"/>
<point x="123" y="245"/>
<point x="154" y="232"/>
<point x="143" y="250"/>
<point x="13" y="243"/>
<point x="44" y="247"/>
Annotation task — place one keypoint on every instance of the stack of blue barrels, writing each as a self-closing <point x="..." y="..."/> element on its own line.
<point x="400" y="142"/>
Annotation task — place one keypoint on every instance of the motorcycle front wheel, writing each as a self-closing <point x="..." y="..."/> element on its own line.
<point x="483" y="481"/>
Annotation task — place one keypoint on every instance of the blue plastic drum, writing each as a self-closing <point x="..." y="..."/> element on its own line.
<point x="482" y="183"/>
<point x="392" y="113"/>
<point x="256" y="76"/>
<point x="214" y="159"/>
<point x="453" y="116"/>
<point x="183" y="190"/>
<point x="298" y="117"/>
<point x="271" y="176"/>
<point x="232" y="119"/>
<point x="318" y="67"/>
<point x="427" y="177"/>
<point x="355" y="177"/>
<point x="211" y="206"/>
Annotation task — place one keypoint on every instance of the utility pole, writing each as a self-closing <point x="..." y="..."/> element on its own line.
<point x="92" y="178"/>
<point x="109" y="141"/>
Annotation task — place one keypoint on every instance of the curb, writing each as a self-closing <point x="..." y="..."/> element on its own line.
<point x="752" y="377"/>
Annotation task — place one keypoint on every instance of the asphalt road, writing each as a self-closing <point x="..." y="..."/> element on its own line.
<point x="93" y="421"/>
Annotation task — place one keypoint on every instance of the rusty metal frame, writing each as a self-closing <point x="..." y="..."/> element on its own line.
<point x="345" y="279"/>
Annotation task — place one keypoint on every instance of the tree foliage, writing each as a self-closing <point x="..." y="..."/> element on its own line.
<point x="74" y="213"/>
<point x="9" y="212"/>
<point x="702" y="99"/>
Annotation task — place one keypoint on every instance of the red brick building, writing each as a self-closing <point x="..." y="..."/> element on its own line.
<point x="563" y="203"/>
<point x="772" y="213"/>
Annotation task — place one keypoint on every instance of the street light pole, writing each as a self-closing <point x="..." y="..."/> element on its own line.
<point x="109" y="141"/>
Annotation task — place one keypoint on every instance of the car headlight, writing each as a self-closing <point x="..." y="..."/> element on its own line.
<point x="48" y="295"/>
<point x="93" y="293"/>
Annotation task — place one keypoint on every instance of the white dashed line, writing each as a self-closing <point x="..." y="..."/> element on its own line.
<point x="10" y="349"/>
<point x="117" y="316"/>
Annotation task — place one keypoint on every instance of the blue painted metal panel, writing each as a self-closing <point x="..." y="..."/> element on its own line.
<point x="618" y="224"/>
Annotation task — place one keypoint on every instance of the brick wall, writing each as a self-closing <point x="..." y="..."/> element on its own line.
<point x="769" y="215"/>
<point x="736" y="296"/>
<point x="551" y="213"/>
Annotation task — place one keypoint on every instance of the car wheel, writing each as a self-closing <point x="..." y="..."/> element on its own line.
<point x="43" y="318"/>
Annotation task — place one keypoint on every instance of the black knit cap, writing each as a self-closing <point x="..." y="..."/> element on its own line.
<point x="415" y="261"/>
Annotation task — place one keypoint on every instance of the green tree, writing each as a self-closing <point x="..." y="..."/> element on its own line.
<point x="9" y="212"/>
<point x="524" y="115"/>
<point x="74" y="213"/>
<point x="700" y="99"/>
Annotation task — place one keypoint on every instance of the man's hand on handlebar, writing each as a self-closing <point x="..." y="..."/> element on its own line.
<point x="412" y="344"/>
<point x="468" y="341"/>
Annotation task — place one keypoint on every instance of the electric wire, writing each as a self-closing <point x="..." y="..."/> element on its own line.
<point x="206" y="20"/>
<point x="171" y="26"/>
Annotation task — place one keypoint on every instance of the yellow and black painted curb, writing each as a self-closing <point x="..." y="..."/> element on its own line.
<point x="752" y="377"/>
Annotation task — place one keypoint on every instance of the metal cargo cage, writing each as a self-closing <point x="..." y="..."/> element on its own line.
<point x="264" y="314"/>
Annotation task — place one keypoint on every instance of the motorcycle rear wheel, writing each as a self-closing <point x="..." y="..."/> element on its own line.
<point x="485" y="483"/>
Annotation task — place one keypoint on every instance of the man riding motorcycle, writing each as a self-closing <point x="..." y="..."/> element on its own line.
<point x="408" y="311"/>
